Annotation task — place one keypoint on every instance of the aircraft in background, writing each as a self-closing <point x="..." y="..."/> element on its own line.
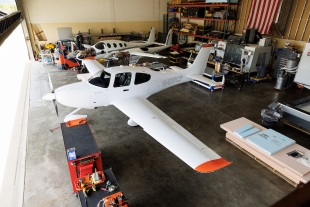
<point x="107" y="46"/>
<point x="114" y="48"/>
<point x="127" y="88"/>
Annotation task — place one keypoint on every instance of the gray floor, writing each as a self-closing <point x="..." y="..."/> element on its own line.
<point x="150" y="175"/>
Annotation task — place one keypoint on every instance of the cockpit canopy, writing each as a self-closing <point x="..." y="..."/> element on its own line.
<point x="102" y="79"/>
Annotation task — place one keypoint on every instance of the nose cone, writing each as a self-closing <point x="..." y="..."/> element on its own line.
<point x="75" y="95"/>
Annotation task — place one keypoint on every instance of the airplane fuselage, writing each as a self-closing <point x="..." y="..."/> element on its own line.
<point x="141" y="82"/>
<point x="108" y="46"/>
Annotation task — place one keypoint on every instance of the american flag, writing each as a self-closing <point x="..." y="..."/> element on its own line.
<point x="261" y="14"/>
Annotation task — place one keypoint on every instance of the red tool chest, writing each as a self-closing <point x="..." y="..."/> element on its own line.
<point x="88" y="156"/>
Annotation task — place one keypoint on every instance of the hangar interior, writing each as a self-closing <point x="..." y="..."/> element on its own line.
<point x="144" y="168"/>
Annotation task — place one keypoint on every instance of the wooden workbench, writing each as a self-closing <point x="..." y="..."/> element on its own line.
<point x="280" y="163"/>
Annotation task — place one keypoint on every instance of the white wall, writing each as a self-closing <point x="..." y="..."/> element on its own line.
<point x="96" y="15"/>
<point x="61" y="11"/>
<point x="14" y="55"/>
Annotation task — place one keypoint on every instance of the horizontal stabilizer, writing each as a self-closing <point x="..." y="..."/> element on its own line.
<point x="83" y="76"/>
<point x="93" y="66"/>
<point x="175" y="68"/>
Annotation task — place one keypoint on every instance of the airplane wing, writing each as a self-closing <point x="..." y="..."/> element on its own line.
<point x="93" y="66"/>
<point x="170" y="134"/>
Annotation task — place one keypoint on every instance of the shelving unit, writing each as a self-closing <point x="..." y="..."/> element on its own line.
<point x="47" y="57"/>
<point x="174" y="58"/>
<point x="223" y="26"/>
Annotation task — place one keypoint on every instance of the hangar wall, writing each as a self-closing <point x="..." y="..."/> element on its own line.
<point x="297" y="30"/>
<point x="139" y="15"/>
<point x="94" y="15"/>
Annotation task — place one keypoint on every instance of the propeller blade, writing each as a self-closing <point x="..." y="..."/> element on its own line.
<point x="50" y="82"/>
<point x="55" y="105"/>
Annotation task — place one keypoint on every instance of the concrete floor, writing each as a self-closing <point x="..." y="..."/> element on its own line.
<point x="149" y="174"/>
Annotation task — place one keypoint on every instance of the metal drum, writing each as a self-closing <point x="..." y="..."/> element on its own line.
<point x="291" y="63"/>
<point x="281" y="82"/>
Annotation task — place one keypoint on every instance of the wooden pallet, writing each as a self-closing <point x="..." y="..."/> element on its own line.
<point x="255" y="79"/>
<point x="297" y="127"/>
<point x="263" y="163"/>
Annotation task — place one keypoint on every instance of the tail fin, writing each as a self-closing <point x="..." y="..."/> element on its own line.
<point x="169" y="38"/>
<point x="151" y="36"/>
<point x="200" y="61"/>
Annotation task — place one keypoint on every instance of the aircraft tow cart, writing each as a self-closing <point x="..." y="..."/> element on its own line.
<point x="89" y="181"/>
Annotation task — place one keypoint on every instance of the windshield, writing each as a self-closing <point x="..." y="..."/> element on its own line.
<point x="100" y="46"/>
<point x="101" y="79"/>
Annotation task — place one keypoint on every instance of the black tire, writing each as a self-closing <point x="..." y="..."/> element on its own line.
<point x="84" y="70"/>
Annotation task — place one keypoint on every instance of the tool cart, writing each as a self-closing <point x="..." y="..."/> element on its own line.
<point x="90" y="183"/>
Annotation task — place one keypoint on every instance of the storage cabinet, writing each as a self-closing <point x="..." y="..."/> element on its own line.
<point x="217" y="20"/>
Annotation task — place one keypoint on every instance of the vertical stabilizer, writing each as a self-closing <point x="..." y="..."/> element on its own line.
<point x="200" y="62"/>
<point x="169" y="38"/>
<point x="151" y="36"/>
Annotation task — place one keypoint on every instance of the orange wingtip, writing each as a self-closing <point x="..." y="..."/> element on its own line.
<point x="212" y="165"/>
<point x="207" y="45"/>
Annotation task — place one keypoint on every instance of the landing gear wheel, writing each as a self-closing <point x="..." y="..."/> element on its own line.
<point x="84" y="70"/>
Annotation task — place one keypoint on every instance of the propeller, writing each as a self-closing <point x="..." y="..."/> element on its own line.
<point x="55" y="105"/>
<point x="52" y="95"/>
<point x="50" y="82"/>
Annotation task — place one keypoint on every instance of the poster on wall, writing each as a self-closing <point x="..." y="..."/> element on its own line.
<point x="65" y="33"/>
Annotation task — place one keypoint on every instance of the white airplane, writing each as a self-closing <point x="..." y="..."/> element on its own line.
<point x="127" y="88"/>
<point x="108" y="48"/>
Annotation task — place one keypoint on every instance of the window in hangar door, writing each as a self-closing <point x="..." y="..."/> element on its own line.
<point x="65" y="33"/>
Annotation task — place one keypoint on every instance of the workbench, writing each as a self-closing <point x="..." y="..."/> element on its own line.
<point x="285" y="166"/>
